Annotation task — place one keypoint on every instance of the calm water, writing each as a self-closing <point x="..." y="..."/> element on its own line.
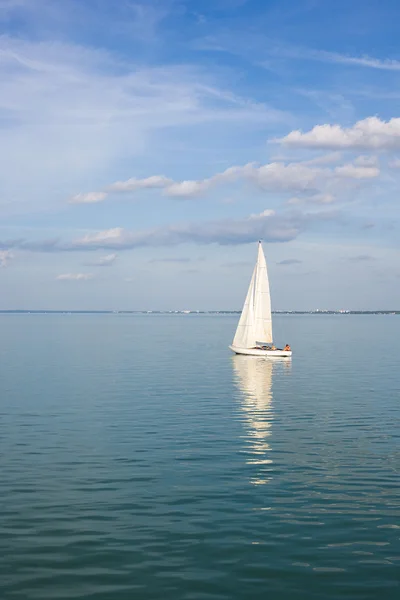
<point x="139" y="459"/>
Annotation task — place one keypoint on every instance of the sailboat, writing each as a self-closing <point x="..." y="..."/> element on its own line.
<point x="254" y="331"/>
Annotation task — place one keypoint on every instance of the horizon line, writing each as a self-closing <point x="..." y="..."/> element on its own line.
<point x="182" y="311"/>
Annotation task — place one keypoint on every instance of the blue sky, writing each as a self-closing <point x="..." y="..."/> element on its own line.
<point x="146" y="147"/>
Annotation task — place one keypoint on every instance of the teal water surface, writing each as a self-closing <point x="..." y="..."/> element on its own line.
<point x="140" y="459"/>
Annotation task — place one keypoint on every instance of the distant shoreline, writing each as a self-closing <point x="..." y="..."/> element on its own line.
<point x="199" y="312"/>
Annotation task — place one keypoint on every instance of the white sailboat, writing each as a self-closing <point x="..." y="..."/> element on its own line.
<point x="254" y="331"/>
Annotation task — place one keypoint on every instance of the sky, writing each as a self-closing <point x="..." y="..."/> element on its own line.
<point x="146" y="148"/>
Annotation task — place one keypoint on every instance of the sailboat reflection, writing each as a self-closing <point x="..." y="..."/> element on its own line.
<point x="254" y="379"/>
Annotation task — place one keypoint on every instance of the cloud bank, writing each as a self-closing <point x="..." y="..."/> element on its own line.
<point x="275" y="176"/>
<point x="368" y="134"/>
<point x="268" y="226"/>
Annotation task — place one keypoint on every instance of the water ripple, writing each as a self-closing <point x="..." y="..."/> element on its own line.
<point x="171" y="469"/>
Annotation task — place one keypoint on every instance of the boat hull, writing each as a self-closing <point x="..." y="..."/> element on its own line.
<point x="260" y="352"/>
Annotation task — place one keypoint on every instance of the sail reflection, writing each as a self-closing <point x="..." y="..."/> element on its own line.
<point x="254" y="379"/>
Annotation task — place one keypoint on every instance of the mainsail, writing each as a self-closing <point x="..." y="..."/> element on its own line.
<point x="255" y="324"/>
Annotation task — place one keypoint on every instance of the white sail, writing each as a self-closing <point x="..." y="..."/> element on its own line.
<point x="255" y="324"/>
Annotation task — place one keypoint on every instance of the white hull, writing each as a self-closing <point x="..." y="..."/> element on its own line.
<point x="260" y="352"/>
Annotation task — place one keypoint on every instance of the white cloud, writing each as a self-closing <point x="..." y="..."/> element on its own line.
<point x="81" y="111"/>
<point x="133" y="184"/>
<point x="267" y="225"/>
<point x="268" y="212"/>
<point x="5" y="257"/>
<point x="104" y="261"/>
<point x="366" y="161"/>
<point x="106" y="236"/>
<point x="298" y="177"/>
<point x="343" y="59"/>
<point x="89" y="198"/>
<point x="323" y="198"/>
<point x="176" y="189"/>
<point x="361" y="61"/>
<point x="353" y="172"/>
<point x="188" y="189"/>
<point x="74" y="276"/>
<point x="107" y="260"/>
<point x="275" y="176"/>
<point x="278" y="176"/>
<point x="326" y="159"/>
<point x="368" y="134"/>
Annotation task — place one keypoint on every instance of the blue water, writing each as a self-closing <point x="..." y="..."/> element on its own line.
<point x="140" y="459"/>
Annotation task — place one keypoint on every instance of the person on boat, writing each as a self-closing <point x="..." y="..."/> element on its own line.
<point x="287" y="348"/>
